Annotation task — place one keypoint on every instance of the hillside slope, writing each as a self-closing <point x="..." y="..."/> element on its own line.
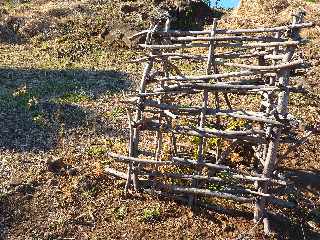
<point x="64" y="66"/>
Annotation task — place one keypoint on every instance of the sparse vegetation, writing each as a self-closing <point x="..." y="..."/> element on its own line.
<point x="120" y="212"/>
<point x="97" y="151"/>
<point x="151" y="214"/>
<point x="61" y="82"/>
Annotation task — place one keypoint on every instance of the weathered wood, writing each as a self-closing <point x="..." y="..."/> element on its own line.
<point x="219" y="87"/>
<point x="228" y="31"/>
<point x="205" y="98"/>
<point x="218" y="61"/>
<point x="231" y="173"/>
<point x="273" y="201"/>
<point x="284" y="66"/>
<point x="252" y="136"/>
<point x="126" y="159"/>
<point x="176" y="161"/>
<point x="231" y="177"/>
<point x="210" y="77"/>
<point x="116" y="173"/>
<point x="224" y="55"/>
<point x="248" y="115"/>
<point x="134" y="133"/>
<point x="230" y="87"/>
<point x="184" y="89"/>
<point x="131" y="149"/>
<point x="287" y="65"/>
<point x="122" y="175"/>
<point x="214" y="39"/>
<point x="224" y="45"/>
<point x="165" y="66"/>
<point x="205" y="192"/>
<point x="282" y="108"/>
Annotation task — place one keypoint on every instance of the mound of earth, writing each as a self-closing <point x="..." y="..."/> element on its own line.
<point x="112" y="22"/>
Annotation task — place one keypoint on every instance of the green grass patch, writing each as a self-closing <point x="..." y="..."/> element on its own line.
<point x="73" y="98"/>
<point x="151" y="214"/>
<point x="116" y="112"/>
<point x="96" y="151"/>
<point x="120" y="212"/>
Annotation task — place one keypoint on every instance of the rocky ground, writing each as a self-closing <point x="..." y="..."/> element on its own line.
<point x="63" y="70"/>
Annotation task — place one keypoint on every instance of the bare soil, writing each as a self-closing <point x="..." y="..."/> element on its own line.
<point x="62" y="77"/>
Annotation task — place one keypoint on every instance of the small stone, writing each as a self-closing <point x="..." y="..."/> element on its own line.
<point x="26" y="188"/>
<point x="53" y="182"/>
<point x="314" y="225"/>
<point x="128" y="8"/>
<point x="72" y="171"/>
<point x="228" y="228"/>
<point x="55" y="165"/>
<point x="48" y="236"/>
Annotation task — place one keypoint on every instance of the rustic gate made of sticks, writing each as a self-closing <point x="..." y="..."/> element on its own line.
<point x="197" y="129"/>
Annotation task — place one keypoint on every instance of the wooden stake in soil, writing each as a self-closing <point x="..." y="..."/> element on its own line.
<point x="134" y="135"/>
<point x="159" y="135"/>
<point x="282" y="108"/>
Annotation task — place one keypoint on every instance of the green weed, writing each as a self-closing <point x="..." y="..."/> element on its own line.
<point x="151" y="214"/>
<point x="96" y="151"/>
<point x="120" y="212"/>
<point x="117" y="112"/>
<point x="58" y="223"/>
<point x="236" y="124"/>
<point x="73" y="98"/>
<point x="92" y="191"/>
<point x="39" y="119"/>
<point x="224" y="175"/>
<point x="215" y="187"/>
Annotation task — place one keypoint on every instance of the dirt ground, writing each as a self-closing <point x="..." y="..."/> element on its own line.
<point x="61" y="82"/>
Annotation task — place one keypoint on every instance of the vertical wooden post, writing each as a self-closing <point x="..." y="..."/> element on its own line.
<point x="130" y="153"/>
<point x="275" y="133"/>
<point x="159" y="136"/>
<point x="268" y="97"/>
<point x="134" y="133"/>
<point x="205" y="98"/>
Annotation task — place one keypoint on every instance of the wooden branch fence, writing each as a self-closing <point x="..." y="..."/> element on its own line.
<point x="184" y="114"/>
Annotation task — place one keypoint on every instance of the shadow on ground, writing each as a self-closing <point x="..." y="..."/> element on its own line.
<point x="35" y="104"/>
<point x="298" y="223"/>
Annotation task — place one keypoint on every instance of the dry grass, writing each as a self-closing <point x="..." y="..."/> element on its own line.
<point x="60" y="112"/>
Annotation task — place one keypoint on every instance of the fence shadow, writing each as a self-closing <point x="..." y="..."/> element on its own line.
<point x="36" y="103"/>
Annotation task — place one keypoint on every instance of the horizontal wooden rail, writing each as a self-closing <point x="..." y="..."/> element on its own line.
<point x="248" y="115"/>
<point x="219" y="87"/>
<point x="225" y="45"/>
<point x="205" y="192"/>
<point x="145" y="176"/>
<point x="288" y="65"/>
<point x="230" y="173"/>
<point x="226" y="31"/>
<point x="222" y="87"/>
<point x="231" y="177"/>
<point x="228" y="55"/>
<point x="209" y="77"/>
<point x="123" y="158"/>
<point x="254" y="136"/>
<point x="251" y="72"/>
<point x="228" y="38"/>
